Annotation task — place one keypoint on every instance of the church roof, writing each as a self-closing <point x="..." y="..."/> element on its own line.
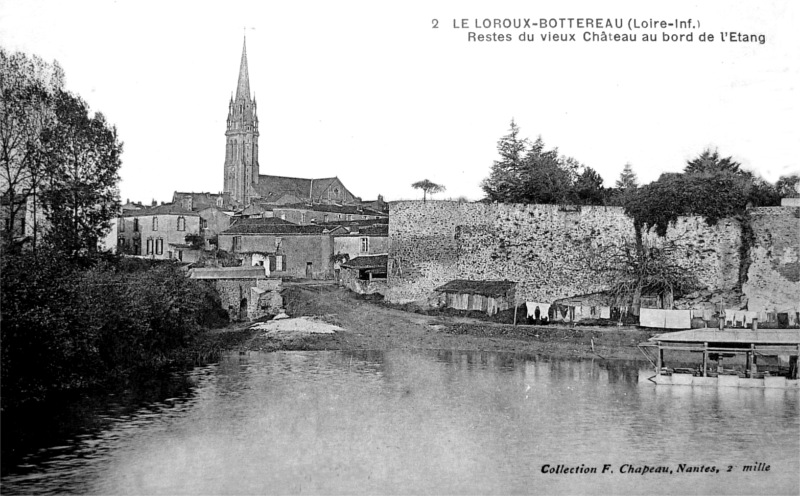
<point x="272" y="188"/>
<point x="243" y="87"/>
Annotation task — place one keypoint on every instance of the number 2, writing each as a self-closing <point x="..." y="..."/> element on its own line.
<point x="435" y="23"/>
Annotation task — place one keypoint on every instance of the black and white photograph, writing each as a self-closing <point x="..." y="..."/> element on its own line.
<point x="362" y="247"/>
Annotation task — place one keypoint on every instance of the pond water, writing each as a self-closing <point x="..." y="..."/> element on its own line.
<point x="426" y="422"/>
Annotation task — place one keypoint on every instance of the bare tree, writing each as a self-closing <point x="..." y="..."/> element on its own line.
<point x="427" y="188"/>
<point x="26" y="110"/>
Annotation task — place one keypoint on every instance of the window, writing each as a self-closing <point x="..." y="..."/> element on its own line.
<point x="325" y="218"/>
<point x="137" y="247"/>
<point x="349" y="216"/>
<point x="203" y="224"/>
<point x="121" y="224"/>
<point x="303" y="218"/>
<point x="149" y="246"/>
<point x="283" y="216"/>
<point x="237" y="244"/>
<point x="364" y="245"/>
<point x="136" y="224"/>
<point x="278" y="243"/>
<point x="121" y="244"/>
<point x="159" y="246"/>
<point x="278" y="262"/>
<point x="181" y="223"/>
<point x="155" y="223"/>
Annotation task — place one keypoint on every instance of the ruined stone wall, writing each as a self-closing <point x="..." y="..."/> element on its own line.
<point x="773" y="276"/>
<point x="547" y="249"/>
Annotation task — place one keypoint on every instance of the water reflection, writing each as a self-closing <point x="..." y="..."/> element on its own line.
<point x="446" y="421"/>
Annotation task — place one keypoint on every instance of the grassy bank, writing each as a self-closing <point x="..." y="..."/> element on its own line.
<point x="369" y="324"/>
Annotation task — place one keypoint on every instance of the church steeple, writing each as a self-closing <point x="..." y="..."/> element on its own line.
<point x="243" y="88"/>
<point x="241" y="150"/>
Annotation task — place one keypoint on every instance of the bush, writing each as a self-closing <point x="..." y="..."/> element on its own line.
<point x="67" y="326"/>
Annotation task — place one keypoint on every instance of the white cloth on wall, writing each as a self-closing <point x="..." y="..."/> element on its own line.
<point x="605" y="312"/>
<point x="677" y="319"/>
<point x="652" y="317"/>
<point x="748" y="318"/>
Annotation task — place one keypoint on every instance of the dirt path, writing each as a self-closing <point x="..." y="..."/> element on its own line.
<point x="375" y="326"/>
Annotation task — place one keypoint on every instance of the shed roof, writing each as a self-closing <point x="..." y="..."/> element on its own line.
<point x="367" y="262"/>
<point x="485" y="288"/>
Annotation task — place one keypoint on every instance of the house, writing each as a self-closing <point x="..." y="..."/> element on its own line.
<point x="159" y="232"/>
<point x="365" y="274"/>
<point x="359" y="238"/>
<point x="484" y="296"/>
<point x="246" y="292"/>
<point x="199" y="201"/>
<point x="214" y="220"/>
<point x="297" y="251"/>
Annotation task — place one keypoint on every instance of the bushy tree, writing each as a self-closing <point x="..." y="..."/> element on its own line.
<point x="82" y="161"/>
<point x="530" y="173"/>
<point x="787" y="186"/>
<point x="589" y="189"/>
<point x="710" y="161"/>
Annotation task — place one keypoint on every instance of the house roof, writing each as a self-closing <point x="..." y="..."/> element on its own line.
<point x="167" y="209"/>
<point x="367" y="262"/>
<point x="589" y="300"/>
<point x="485" y="288"/>
<point x="337" y="209"/>
<point x="270" y="226"/>
<point x="254" y="272"/>
<point x="369" y="230"/>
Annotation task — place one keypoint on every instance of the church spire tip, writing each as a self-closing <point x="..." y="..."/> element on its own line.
<point x="243" y="87"/>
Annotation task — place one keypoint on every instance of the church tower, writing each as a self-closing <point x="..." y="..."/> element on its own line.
<point x="241" y="147"/>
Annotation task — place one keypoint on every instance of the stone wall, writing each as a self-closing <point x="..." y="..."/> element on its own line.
<point x="262" y="297"/>
<point x="547" y="249"/>
<point x="773" y="276"/>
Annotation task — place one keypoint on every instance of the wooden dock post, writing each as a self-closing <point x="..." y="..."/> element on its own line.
<point x="705" y="358"/>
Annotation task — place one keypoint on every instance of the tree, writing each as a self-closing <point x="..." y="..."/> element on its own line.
<point x="82" y="160"/>
<point x="588" y="188"/>
<point x="627" y="178"/>
<point x="788" y="186"/>
<point x="26" y="110"/>
<point x="709" y="161"/>
<point x="504" y="177"/>
<point x="428" y="188"/>
<point x="529" y="173"/>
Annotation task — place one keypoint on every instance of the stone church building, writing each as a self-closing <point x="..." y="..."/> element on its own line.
<point x="243" y="181"/>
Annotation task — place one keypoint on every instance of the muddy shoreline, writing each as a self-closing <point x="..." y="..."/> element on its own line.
<point x="370" y="325"/>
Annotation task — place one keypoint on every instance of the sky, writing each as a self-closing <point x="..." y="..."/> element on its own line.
<point x="373" y="93"/>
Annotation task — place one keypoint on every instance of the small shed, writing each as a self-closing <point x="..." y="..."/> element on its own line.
<point x="484" y="296"/>
<point x="365" y="274"/>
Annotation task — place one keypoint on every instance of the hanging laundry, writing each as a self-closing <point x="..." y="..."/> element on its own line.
<point x="544" y="308"/>
<point x="677" y="319"/>
<point x="605" y="312"/>
<point x="748" y="318"/>
<point x="652" y="317"/>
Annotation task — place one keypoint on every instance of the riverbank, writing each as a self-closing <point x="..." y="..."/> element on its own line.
<point x="370" y="325"/>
